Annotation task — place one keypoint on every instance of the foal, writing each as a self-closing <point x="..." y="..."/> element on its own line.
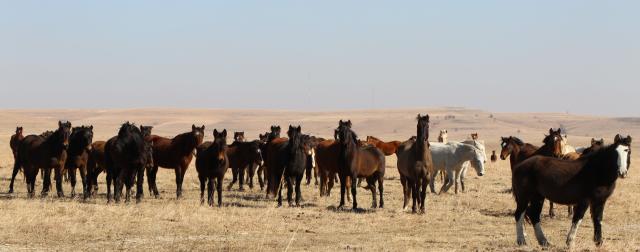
<point x="586" y="183"/>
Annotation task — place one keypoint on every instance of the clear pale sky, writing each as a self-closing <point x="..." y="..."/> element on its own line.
<point x="542" y="56"/>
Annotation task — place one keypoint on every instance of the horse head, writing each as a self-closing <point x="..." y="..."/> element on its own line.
<point x="63" y="132"/>
<point x="623" y="148"/>
<point x="18" y="131"/>
<point x="198" y="133"/>
<point x="220" y="142"/>
<point x="238" y="136"/>
<point x="553" y="143"/>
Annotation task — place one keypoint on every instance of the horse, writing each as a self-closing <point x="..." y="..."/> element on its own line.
<point x="238" y="136"/>
<point x="450" y="158"/>
<point x="460" y="176"/>
<point x="595" y="145"/>
<point x="35" y="153"/>
<point x="176" y="154"/>
<point x="364" y="162"/>
<point x="287" y="162"/>
<point x="474" y="136"/>
<point x="263" y="171"/>
<point x="212" y="163"/>
<point x="586" y="183"/>
<point x="95" y="165"/>
<point x="78" y="155"/>
<point x="125" y="158"/>
<point x="494" y="158"/>
<point x="415" y="166"/>
<point x="566" y="148"/>
<point x="311" y="163"/>
<point x="442" y="137"/>
<point x="388" y="148"/>
<point x="328" y="165"/>
<point x="15" y="141"/>
<point x="244" y="156"/>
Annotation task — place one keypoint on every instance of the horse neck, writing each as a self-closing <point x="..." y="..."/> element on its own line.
<point x="54" y="142"/>
<point x="605" y="169"/>
<point x="185" y="142"/>
<point x="348" y="152"/>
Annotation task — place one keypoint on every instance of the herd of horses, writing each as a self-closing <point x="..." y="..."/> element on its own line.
<point x="581" y="178"/>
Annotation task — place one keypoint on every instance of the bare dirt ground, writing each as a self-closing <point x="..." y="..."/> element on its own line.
<point x="478" y="219"/>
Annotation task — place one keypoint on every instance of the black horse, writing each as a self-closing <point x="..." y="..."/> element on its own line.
<point x="586" y="183"/>
<point x="126" y="157"/>
<point x="78" y="155"/>
<point x="287" y="162"/>
<point x="37" y="152"/>
<point x="212" y="163"/>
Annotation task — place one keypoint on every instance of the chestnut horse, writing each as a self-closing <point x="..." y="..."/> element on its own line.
<point x="415" y="166"/>
<point x="388" y="148"/>
<point x="212" y="163"/>
<point x="364" y="162"/>
<point x="176" y="154"/>
<point x="78" y="155"/>
<point x="125" y="158"/>
<point x="586" y="183"/>
<point x="36" y="152"/>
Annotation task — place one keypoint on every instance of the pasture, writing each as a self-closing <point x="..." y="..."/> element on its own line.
<point x="479" y="219"/>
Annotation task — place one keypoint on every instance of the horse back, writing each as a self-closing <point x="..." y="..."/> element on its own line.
<point x="165" y="155"/>
<point x="370" y="160"/>
<point x="328" y="156"/>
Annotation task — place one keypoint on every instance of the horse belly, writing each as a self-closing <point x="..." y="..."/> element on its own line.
<point x="567" y="195"/>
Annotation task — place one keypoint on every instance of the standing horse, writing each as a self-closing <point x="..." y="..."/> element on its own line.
<point x="125" y="158"/>
<point x="35" y="153"/>
<point x="244" y="156"/>
<point x="415" y="165"/>
<point x="586" y="183"/>
<point x="450" y="157"/>
<point x="95" y="165"/>
<point x="266" y="139"/>
<point x="15" y="141"/>
<point x="388" y="148"/>
<point x="212" y="163"/>
<point x="78" y="155"/>
<point x="176" y="154"/>
<point x="494" y="157"/>
<point x="328" y="164"/>
<point x="364" y="162"/>
<point x="460" y="176"/>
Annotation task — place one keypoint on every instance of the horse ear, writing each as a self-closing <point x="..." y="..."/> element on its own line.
<point x="215" y="132"/>
<point x="427" y="116"/>
<point x="299" y="129"/>
<point x="193" y="127"/>
<point x="593" y="141"/>
<point x="224" y="133"/>
<point x="202" y="127"/>
<point x="550" y="130"/>
<point x="616" y="139"/>
<point x="629" y="139"/>
<point x="59" y="123"/>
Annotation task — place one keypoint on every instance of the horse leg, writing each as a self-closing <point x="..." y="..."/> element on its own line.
<point x="202" y="187"/>
<point x="46" y="184"/>
<point x="519" y="216"/>
<point x="16" y="169"/>
<point x="178" y="171"/>
<point x="71" y="172"/>
<point x="83" y="177"/>
<point x="151" y="180"/>
<point x="260" y="177"/>
<point x="58" y="177"/>
<point x="128" y="182"/>
<point x="210" y="185"/>
<point x="323" y="180"/>
<point x="552" y="213"/>
<point x="30" y="175"/>
<point x="597" y="209"/>
<point x="250" y="173"/>
<point x="241" y="172"/>
<point x="289" y="182"/>
<point x="381" y="189"/>
<point x="117" y="190"/>
<point x="578" y="214"/>
<point x="405" y="191"/>
<point x="354" y="182"/>
<point x="298" y="191"/>
<point x="343" y="188"/>
<point x="456" y="175"/>
<point x="315" y="174"/>
<point x="462" y="180"/>
<point x="371" y="180"/>
<point x="219" y="189"/>
<point x="279" y="193"/>
<point x="569" y="210"/>
<point x="234" y="172"/>
<point x="534" y="215"/>
<point x="109" y="179"/>
<point x="432" y="181"/>
<point x="448" y="183"/>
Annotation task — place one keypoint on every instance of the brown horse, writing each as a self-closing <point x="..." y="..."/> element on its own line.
<point x="595" y="145"/>
<point x="328" y="165"/>
<point x="388" y="148"/>
<point x="212" y="163"/>
<point x="15" y="141"/>
<point x="244" y="156"/>
<point x="95" y="165"/>
<point x="36" y="152"/>
<point x="415" y="166"/>
<point x="516" y="150"/>
<point x="364" y="162"/>
<point x="78" y="155"/>
<point x="176" y="154"/>
<point x="125" y="158"/>
<point x="263" y="171"/>
<point x="586" y="183"/>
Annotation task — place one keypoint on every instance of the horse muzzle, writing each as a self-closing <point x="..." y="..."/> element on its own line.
<point x="480" y="174"/>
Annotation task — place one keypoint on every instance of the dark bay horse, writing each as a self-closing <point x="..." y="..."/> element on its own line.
<point x="266" y="144"/>
<point x="586" y="183"/>
<point x="212" y="163"/>
<point x="36" y="152"/>
<point x="176" y="154"/>
<point x="287" y="163"/>
<point x="388" y="148"/>
<point x="95" y="165"/>
<point x="15" y="141"/>
<point x="328" y="164"/>
<point x="364" y="162"/>
<point x="415" y="165"/>
<point x="244" y="156"/>
<point x="125" y="159"/>
<point x="78" y="155"/>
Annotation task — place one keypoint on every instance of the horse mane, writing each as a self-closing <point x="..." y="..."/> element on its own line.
<point x="517" y="140"/>
<point x="75" y="140"/>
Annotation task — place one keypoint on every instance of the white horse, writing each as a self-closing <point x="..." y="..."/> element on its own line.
<point x="451" y="156"/>
<point x="465" y="166"/>
<point x="566" y="148"/>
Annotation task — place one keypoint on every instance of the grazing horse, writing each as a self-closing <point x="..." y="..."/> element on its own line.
<point x="36" y="152"/>
<point x="176" y="154"/>
<point x="359" y="162"/>
<point x="586" y="183"/>
<point x="388" y="148"/>
<point x="78" y="155"/>
<point x="415" y="166"/>
<point x="95" y="165"/>
<point x="125" y="159"/>
<point x="15" y="141"/>
<point x="212" y="163"/>
<point x="442" y="137"/>
<point x="244" y="156"/>
<point x="450" y="157"/>
<point x="494" y="158"/>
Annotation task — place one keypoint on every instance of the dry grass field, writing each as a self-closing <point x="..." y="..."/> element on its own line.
<point x="479" y="219"/>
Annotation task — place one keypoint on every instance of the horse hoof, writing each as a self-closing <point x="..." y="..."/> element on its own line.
<point x="544" y="243"/>
<point x="10" y="191"/>
<point x="241" y="189"/>
<point x="521" y="242"/>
